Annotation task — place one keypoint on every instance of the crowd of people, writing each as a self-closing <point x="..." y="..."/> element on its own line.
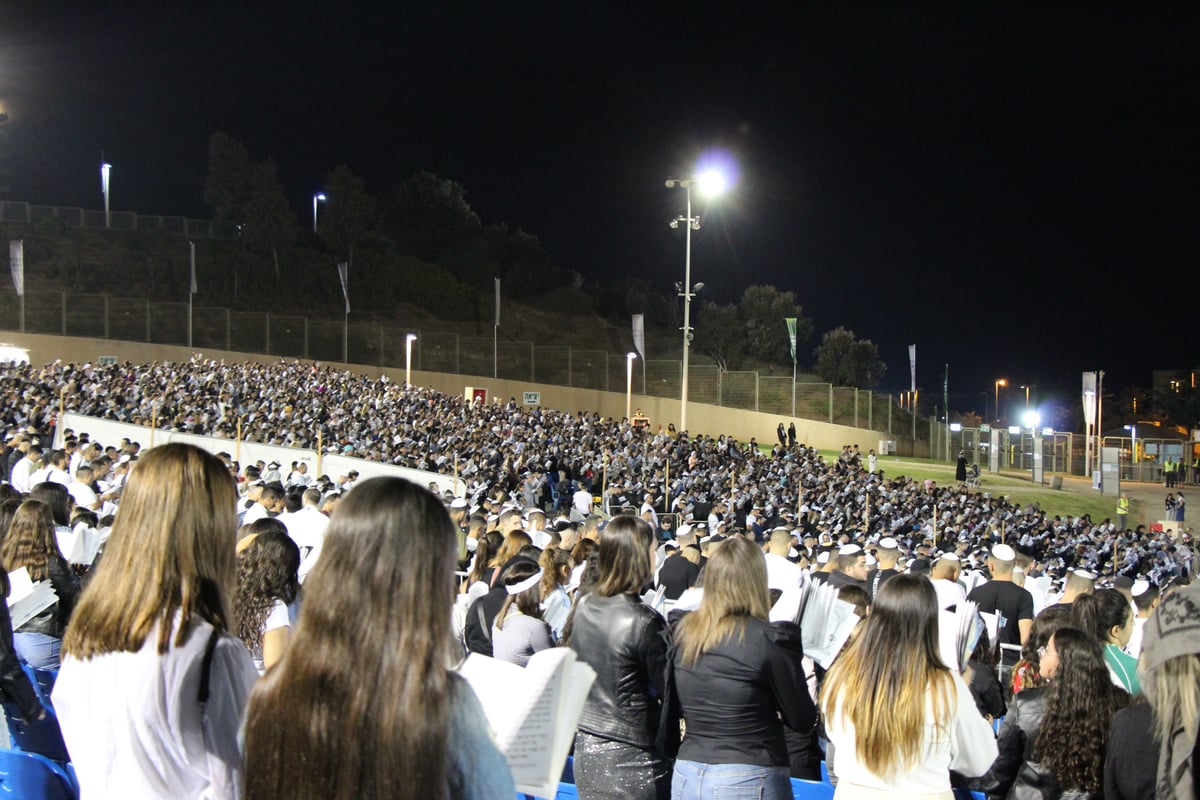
<point x="322" y="618"/>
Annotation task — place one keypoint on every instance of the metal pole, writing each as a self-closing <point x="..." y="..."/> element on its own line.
<point x="346" y="338"/>
<point x="495" y="351"/>
<point x="687" y="308"/>
<point x="793" y="387"/>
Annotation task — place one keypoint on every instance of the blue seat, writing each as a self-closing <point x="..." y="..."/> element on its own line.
<point x="824" y="772"/>
<point x="567" y="791"/>
<point x="964" y="794"/>
<point x="29" y="776"/>
<point x="811" y="790"/>
<point x="43" y="737"/>
<point x="568" y="775"/>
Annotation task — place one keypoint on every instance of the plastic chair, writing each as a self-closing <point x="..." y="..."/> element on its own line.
<point x="43" y="737"/>
<point x="811" y="790"/>
<point x="568" y="775"/>
<point x="963" y="794"/>
<point x="825" y="772"/>
<point x="44" y="680"/>
<point x="32" y="777"/>
<point x="567" y="791"/>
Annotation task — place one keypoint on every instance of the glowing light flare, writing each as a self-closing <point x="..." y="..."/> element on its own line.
<point x="716" y="173"/>
<point x="1032" y="419"/>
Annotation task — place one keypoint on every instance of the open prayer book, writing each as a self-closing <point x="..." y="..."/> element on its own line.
<point x="533" y="710"/>
<point x="958" y="633"/>
<point x="27" y="599"/>
<point x="825" y="622"/>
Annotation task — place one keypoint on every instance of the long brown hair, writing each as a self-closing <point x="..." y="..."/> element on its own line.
<point x="884" y="678"/>
<point x="624" y="556"/>
<point x="735" y="590"/>
<point x="358" y="707"/>
<point x="171" y="550"/>
<point x="267" y="570"/>
<point x="31" y="542"/>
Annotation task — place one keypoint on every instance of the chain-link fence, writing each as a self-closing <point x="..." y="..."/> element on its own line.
<point x="294" y="336"/>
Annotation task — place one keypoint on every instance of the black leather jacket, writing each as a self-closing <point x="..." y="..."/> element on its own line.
<point x="627" y="644"/>
<point x="53" y="621"/>
<point x="1015" y="774"/>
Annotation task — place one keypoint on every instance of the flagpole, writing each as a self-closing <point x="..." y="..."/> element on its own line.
<point x="496" y="335"/>
<point x="191" y="288"/>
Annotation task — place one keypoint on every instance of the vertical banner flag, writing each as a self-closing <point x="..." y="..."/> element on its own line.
<point x="344" y="277"/>
<point x="192" y="249"/>
<point x="639" y="334"/>
<point x="912" y="364"/>
<point x="16" y="258"/>
<point x="791" y="326"/>
<point x="946" y="393"/>
<point x="497" y="302"/>
<point x="1089" y="398"/>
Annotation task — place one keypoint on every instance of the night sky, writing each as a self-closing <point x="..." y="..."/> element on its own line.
<point x="1010" y="186"/>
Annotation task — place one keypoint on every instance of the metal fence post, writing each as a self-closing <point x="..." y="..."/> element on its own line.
<point x="305" y="351"/>
<point x="420" y="349"/>
<point x="531" y="356"/>
<point x="147" y="321"/>
<point x="870" y="410"/>
<point x="456" y="369"/>
<point x="831" y="404"/>
<point x="889" y="429"/>
<point x="228" y="330"/>
<point x="267" y="332"/>
<point x="756" y="384"/>
<point x="381" y="361"/>
<point x="106" y="316"/>
<point x="570" y="382"/>
<point x="856" y="406"/>
<point x="64" y="313"/>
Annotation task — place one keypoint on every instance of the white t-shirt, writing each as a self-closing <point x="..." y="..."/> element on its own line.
<point x="135" y="727"/>
<point x="781" y="573"/>
<point x="280" y="616"/>
<point x="968" y="746"/>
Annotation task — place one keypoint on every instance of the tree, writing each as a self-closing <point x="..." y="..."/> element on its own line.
<point x="270" y="224"/>
<point x="763" y="310"/>
<point x="426" y="213"/>
<point x="348" y="214"/>
<point x="227" y="186"/>
<point x="719" y="334"/>
<point x="845" y="361"/>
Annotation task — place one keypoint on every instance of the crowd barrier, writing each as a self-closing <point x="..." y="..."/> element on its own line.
<point x="110" y="432"/>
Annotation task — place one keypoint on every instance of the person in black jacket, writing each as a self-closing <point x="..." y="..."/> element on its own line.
<point x="1054" y="736"/>
<point x="15" y="687"/>
<point x="31" y="543"/>
<point x="625" y="741"/>
<point x="738" y="680"/>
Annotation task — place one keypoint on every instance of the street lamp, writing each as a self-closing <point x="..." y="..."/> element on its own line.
<point x="319" y="197"/>
<point x="105" y="169"/>
<point x="710" y="182"/>
<point x="999" y="383"/>
<point x="629" y="357"/>
<point x="408" y="340"/>
<point x="1133" y="450"/>
<point x="1027" y="387"/>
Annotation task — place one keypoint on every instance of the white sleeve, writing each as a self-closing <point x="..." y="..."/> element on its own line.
<point x="972" y="740"/>
<point x="231" y="679"/>
<point x="277" y="618"/>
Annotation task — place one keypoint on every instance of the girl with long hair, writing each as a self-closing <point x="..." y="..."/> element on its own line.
<point x="556" y="567"/>
<point x="153" y="685"/>
<point x="738" y="681"/>
<point x="486" y="557"/>
<point x="363" y="703"/>
<point x="268" y="585"/>
<point x="1054" y="736"/>
<point x="899" y="718"/>
<point x="519" y="630"/>
<point x="1106" y="615"/>
<point x="1026" y="673"/>
<point x="31" y="543"/>
<point x="623" y="746"/>
<point x="1153" y="750"/>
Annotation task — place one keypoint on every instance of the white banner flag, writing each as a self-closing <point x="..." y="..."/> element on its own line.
<point x="344" y="277"/>
<point x="1089" y="397"/>
<point x="912" y="364"/>
<point x="192" y="259"/>
<point x="639" y="334"/>
<point x="497" y="302"/>
<point x="16" y="258"/>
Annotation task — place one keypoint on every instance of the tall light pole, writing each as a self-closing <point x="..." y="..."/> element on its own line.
<point x="999" y="383"/>
<point x="710" y="182"/>
<point x="105" y="169"/>
<point x="319" y="197"/>
<point x="408" y="340"/>
<point x="629" y="357"/>
<point x="1027" y="387"/>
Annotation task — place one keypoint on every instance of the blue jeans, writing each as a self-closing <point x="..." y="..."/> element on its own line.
<point x="38" y="649"/>
<point x="695" y="781"/>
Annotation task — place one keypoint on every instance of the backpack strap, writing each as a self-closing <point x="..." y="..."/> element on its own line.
<point x="206" y="665"/>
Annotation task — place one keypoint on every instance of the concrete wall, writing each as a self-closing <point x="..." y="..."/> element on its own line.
<point x="702" y="418"/>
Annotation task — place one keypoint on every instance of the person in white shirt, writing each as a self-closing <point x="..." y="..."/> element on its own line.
<point x="1146" y="598"/>
<point x="781" y="573"/>
<point x="944" y="575"/>
<point x="152" y="689"/>
<point x="81" y="490"/>
<point x="269" y="503"/>
<point x="23" y="470"/>
<point x="892" y="671"/>
<point x="581" y="503"/>
<point x="306" y="525"/>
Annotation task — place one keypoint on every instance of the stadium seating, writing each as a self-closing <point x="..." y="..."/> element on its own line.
<point x="29" y="776"/>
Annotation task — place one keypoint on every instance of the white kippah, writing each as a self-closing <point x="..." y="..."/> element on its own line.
<point x="1003" y="552"/>
<point x="849" y="550"/>
<point x="1140" y="588"/>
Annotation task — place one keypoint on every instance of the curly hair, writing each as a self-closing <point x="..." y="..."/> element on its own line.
<point x="266" y="573"/>
<point x="1081" y="701"/>
<point x="1027" y="674"/>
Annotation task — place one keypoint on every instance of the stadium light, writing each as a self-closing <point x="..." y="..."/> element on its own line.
<point x="319" y="197"/>
<point x="408" y="340"/>
<point x="629" y="357"/>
